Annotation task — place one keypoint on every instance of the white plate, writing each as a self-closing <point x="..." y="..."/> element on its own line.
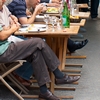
<point x="25" y="25"/>
<point x="39" y="25"/>
<point x="37" y="30"/>
<point x="23" y="29"/>
<point x="39" y="16"/>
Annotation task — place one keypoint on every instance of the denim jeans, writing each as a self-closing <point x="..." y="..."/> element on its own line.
<point x="25" y="71"/>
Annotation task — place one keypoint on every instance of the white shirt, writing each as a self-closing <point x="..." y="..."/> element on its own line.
<point x="5" y="21"/>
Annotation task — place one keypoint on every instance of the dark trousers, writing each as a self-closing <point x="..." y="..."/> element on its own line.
<point x="94" y="8"/>
<point x="26" y="70"/>
<point x="35" y="51"/>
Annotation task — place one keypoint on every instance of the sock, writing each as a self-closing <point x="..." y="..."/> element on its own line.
<point x="58" y="74"/>
<point x="43" y="88"/>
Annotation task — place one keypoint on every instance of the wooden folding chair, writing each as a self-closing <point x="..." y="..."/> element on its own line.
<point x="6" y="71"/>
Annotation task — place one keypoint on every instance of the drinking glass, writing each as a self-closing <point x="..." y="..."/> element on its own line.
<point x="60" y="10"/>
<point x="46" y="20"/>
<point x="59" y="26"/>
<point x="53" y="21"/>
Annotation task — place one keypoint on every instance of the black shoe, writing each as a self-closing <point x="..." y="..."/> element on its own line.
<point x="67" y="79"/>
<point x="78" y="45"/>
<point x="48" y="96"/>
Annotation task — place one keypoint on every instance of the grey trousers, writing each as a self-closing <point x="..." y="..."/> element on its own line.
<point x="35" y="51"/>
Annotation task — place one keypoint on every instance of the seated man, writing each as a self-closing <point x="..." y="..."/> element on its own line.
<point x="15" y="8"/>
<point x="35" y="51"/>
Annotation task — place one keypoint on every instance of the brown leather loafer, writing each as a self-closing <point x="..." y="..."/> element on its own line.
<point x="48" y="96"/>
<point x="21" y="80"/>
<point x="67" y="79"/>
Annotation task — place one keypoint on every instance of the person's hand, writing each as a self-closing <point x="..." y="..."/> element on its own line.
<point x="53" y="4"/>
<point x="14" y="18"/>
<point x="6" y="28"/>
<point x="44" y="9"/>
<point x="56" y="1"/>
<point x="14" y="22"/>
<point x="39" y="8"/>
<point x="14" y="27"/>
<point x="28" y="12"/>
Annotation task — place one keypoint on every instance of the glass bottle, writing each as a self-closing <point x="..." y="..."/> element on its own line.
<point x="68" y="3"/>
<point x="66" y="16"/>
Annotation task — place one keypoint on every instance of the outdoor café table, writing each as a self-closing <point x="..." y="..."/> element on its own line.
<point x="57" y="40"/>
<point x="84" y="5"/>
<point x="61" y="35"/>
<point x="81" y="23"/>
<point x="80" y="14"/>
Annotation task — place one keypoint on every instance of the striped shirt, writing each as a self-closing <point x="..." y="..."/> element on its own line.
<point x="18" y="8"/>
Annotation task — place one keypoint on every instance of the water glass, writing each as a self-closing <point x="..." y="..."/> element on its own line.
<point x="60" y="10"/>
<point x="53" y="21"/>
<point x="46" y="20"/>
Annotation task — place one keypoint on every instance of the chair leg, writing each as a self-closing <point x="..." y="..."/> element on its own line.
<point x="10" y="88"/>
<point x="16" y="82"/>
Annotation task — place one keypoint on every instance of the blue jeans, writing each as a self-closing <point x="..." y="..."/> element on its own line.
<point x="94" y="8"/>
<point x="26" y="70"/>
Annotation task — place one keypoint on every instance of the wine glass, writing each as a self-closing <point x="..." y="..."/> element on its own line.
<point x="59" y="27"/>
<point x="60" y="10"/>
<point x="46" y="20"/>
<point x="53" y="21"/>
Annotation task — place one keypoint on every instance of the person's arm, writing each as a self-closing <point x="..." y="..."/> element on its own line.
<point x="28" y="12"/>
<point x="14" y="18"/>
<point x="4" y="34"/>
<point x="25" y="20"/>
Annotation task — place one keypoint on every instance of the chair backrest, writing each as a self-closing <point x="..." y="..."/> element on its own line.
<point x="6" y="71"/>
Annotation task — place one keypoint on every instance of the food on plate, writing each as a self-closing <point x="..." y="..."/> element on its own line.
<point x="75" y="19"/>
<point x="31" y="27"/>
<point x="52" y="10"/>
